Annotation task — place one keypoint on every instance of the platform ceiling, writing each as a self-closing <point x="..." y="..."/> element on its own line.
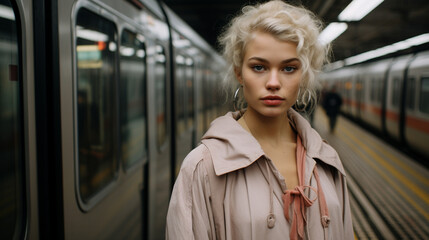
<point x="392" y="21"/>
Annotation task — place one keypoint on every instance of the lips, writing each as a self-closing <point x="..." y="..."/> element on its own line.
<point x="272" y="97"/>
<point x="272" y="100"/>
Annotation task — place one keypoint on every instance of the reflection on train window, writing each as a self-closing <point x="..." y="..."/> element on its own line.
<point x="180" y="93"/>
<point x="161" y="95"/>
<point x="424" y="95"/>
<point x="396" y="92"/>
<point x="380" y="90"/>
<point x="133" y="98"/>
<point x="190" y="91"/>
<point x="207" y="92"/>
<point x="411" y="88"/>
<point x="373" y="89"/>
<point x="376" y="89"/>
<point x="11" y="143"/>
<point x="96" y="98"/>
<point x="359" y="91"/>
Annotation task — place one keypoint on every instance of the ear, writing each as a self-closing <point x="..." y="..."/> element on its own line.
<point x="238" y="75"/>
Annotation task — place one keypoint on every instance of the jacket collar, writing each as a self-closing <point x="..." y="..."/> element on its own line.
<point x="232" y="147"/>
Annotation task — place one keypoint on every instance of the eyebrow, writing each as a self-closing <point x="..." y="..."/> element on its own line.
<point x="266" y="61"/>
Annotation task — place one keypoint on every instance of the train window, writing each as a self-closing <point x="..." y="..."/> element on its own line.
<point x="96" y="103"/>
<point x="132" y="96"/>
<point x="380" y="90"/>
<point x="359" y="91"/>
<point x="396" y="92"/>
<point x="207" y="91"/>
<point x="180" y="93"/>
<point x="376" y="87"/>
<point x="424" y="95"/>
<point x="12" y="172"/>
<point x="411" y="88"/>
<point x="373" y="89"/>
<point x="161" y="95"/>
<point x="190" y="91"/>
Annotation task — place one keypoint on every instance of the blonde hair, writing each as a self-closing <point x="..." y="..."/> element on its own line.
<point x="286" y="23"/>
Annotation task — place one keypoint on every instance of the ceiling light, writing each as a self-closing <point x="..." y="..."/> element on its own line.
<point x="6" y="12"/>
<point x="414" y="41"/>
<point x="418" y="40"/>
<point x="127" y="51"/>
<point x="358" y="9"/>
<point x="332" y="31"/>
<point x="91" y="35"/>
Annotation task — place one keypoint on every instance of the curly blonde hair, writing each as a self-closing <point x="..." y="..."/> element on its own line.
<point x="286" y="23"/>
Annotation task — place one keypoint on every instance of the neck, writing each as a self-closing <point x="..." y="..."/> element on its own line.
<point x="268" y="129"/>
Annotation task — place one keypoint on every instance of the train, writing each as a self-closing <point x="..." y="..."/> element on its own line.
<point x="100" y="101"/>
<point x="389" y="95"/>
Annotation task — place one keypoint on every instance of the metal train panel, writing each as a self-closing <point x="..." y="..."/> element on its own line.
<point x="390" y="93"/>
<point x="417" y="103"/>
<point x="98" y="196"/>
<point x="394" y="81"/>
<point x="373" y="76"/>
<point x="18" y="144"/>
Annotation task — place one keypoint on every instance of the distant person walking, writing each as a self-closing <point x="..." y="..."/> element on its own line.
<point x="332" y="103"/>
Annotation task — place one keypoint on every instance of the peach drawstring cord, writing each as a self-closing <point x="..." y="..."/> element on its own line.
<point x="301" y="201"/>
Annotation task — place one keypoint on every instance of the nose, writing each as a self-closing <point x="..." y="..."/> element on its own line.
<point x="273" y="82"/>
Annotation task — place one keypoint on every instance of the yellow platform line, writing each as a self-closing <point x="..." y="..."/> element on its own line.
<point x="413" y="187"/>
<point x="417" y="175"/>
<point x="393" y="184"/>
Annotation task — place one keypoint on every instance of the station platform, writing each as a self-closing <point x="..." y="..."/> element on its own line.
<point x="389" y="191"/>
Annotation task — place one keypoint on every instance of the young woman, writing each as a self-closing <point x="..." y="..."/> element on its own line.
<point x="263" y="172"/>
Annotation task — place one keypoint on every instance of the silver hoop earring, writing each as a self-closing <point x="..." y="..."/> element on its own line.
<point x="235" y="101"/>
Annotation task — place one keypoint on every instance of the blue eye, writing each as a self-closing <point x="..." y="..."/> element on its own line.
<point x="289" y="69"/>
<point x="258" y="68"/>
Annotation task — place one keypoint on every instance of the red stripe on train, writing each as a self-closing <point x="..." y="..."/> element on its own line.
<point x="419" y="124"/>
<point x="411" y="121"/>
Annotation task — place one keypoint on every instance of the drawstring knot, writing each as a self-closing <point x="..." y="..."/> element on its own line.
<point x="300" y="202"/>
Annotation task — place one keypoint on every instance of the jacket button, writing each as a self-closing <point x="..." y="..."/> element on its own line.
<point x="271" y="220"/>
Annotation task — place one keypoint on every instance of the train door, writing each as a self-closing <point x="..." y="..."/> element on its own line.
<point x="393" y="95"/>
<point x="200" y="98"/>
<point x="133" y="113"/>
<point x="359" y="96"/>
<point x="416" y="124"/>
<point x="104" y="121"/>
<point x="209" y="95"/>
<point x="375" y="74"/>
<point x="18" y="169"/>
<point x="346" y="89"/>
<point x="353" y="93"/>
<point x="184" y="107"/>
<point x="190" y="99"/>
<point x="159" y="112"/>
<point x="160" y="156"/>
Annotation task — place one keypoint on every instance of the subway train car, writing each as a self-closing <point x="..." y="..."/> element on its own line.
<point x="99" y="103"/>
<point x="391" y="95"/>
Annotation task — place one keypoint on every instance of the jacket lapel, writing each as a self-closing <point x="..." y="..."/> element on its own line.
<point x="233" y="148"/>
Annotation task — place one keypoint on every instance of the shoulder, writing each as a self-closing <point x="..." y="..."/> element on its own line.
<point x="194" y="159"/>
<point x="318" y="148"/>
<point x="191" y="178"/>
<point x="330" y="156"/>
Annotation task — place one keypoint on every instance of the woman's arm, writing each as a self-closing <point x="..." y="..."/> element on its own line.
<point x="190" y="214"/>
<point x="347" y="215"/>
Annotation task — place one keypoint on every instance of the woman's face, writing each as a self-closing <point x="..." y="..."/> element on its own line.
<point x="270" y="75"/>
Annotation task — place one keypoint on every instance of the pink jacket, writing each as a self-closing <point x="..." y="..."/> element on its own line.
<point x="223" y="188"/>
